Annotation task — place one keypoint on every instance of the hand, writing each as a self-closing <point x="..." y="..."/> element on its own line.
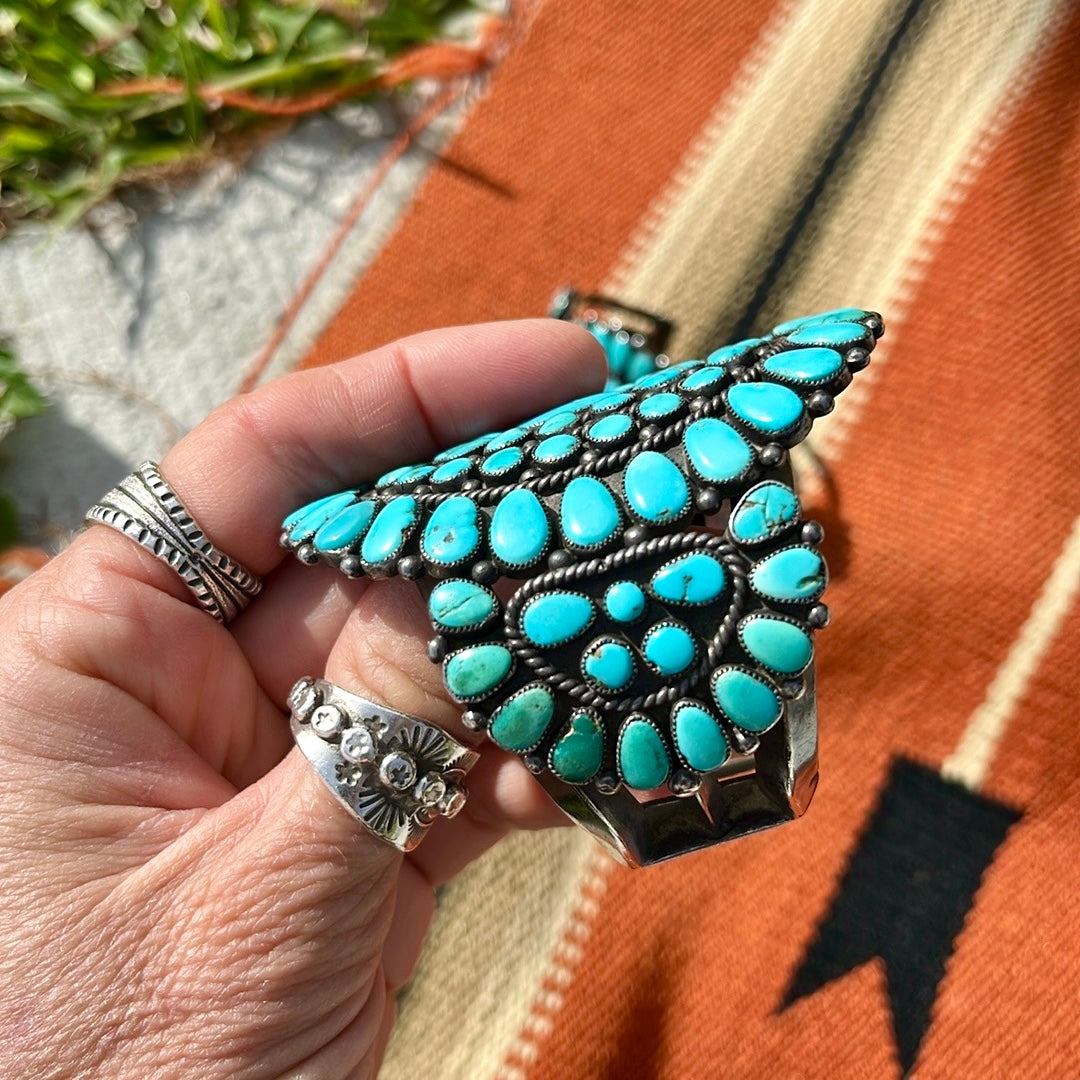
<point x="181" y="894"/>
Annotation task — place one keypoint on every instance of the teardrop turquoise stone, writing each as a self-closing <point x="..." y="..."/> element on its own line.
<point x="766" y="407"/>
<point x="696" y="578"/>
<point x="656" y="406"/>
<point x="452" y="533"/>
<point x="388" y="531"/>
<point x="776" y="643"/>
<point x="552" y="618"/>
<point x="764" y="512"/>
<point x="555" y="448"/>
<point x="804" y="366"/>
<point x="345" y="528"/>
<point x="457" y="604"/>
<point x="666" y="375"/>
<point x="643" y="759"/>
<point x="708" y="378"/>
<point x="476" y="670"/>
<point x="624" y="601"/>
<point x="609" y="428"/>
<point x="588" y="515"/>
<point x="841" y="334"/>
<point x="308" y="519"/>
<point x="577" y="755"/>
<point x="725" y="355"/>
<point x="559" y="422"/>
<point x="502" y="461"/>
<point x="846" y="314"/>
<point x="608" y="402"/>
<point x="793" y="574"/>
<point x="463" y="448"/>
<point x="699" y="737"/>
<point x="748" y="701"/>
<point x="610" y="663"/>
<point x="655" y="488"/>
<point x="519" y="528"/>
<point x="669" y="649"/>
<point x="507" y="438"/>
<point x="451" y="469"/>
<point x="520" y="722"/>
<point x="716" y="450"/>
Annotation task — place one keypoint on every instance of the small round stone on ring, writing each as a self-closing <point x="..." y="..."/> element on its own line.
<point x="430" y="789"/>
<point x="327" y="720"/>
<point x="452" y="802"/>
<point x="357" y="745"/>
<point x="397" y="770"/>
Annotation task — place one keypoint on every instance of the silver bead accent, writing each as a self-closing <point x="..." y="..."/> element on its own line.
<point x="358" y="745"/>
<point x="397" y="771"/>
<point x="327" y="720"/>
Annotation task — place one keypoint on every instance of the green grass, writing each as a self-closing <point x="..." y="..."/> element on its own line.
<point x="99" y="93"/>
<point x="18" y="400"/>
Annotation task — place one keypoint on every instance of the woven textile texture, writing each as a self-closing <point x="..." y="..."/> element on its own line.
<point x="730" y="163"/>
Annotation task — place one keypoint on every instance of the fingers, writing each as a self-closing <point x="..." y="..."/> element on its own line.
<point x="319" y="431"/>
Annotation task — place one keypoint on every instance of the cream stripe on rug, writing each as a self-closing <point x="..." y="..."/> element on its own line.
<point x="970" y="762"/>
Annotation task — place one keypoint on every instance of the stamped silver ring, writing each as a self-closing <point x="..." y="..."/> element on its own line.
<point x="397" y="773"/>
<point x="143" y="507"/>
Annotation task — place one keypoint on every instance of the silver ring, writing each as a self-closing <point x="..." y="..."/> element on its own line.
<point x="396" y="773"/>
<point x="143" y="507"/>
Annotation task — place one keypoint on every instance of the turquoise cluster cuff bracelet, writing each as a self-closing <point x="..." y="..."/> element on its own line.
<point x="654" y="666"/>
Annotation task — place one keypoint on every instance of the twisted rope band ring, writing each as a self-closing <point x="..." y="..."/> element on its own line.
<point x="656" y="677"/>
<point x="143" y="507"/>
<point x="395" y="772"/>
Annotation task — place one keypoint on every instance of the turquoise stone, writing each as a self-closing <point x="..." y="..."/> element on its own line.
<point x="555" y="448"/>
<point x="666" y="375"/>
<point x="552" y="618"/>
<point x="519" y="529"/>
<point x="763" y="513"/>
<point x="776" y="643"/>
<point x="846" y="314"/>
<point x="707" y="378"/>
<point x="643" y="758"/>
<point x="766" y="407"/>
<point x="696" y="578"/>
<point x="716" y="451"/>
<point x="617" y="347"/>
<point x="589" y="515"/>
<point x="732" y="352"/>
<point x="655" y="488"/>
<point x="520" y="722"/>
<point x="458" y="604"/>
<point x="394" y="475"/>
<point x="578" y="753"/>
<point x="507" y="438"/>
<point x="698" y="736"/>
<point x="345" y="527"/>
<point x="790" y="575"/>
<point x="452" y="533"/>
<point x="840" y="334"/>
<point x="748" y="701"/>
<point x="657" y="406"/>
<point x="610" y="402"/>
<point x="417" y="472"/>
<point x="451" y="469"/>
<point x="293" y="519"/>
<point x="476" y="670"/>
<point x="625" y="601"/>
<point x="804" y="366"/>
<point x="462" y="449"/>
<point x="502" y="461"/>
<point x="559" y="422"/>
<point x="609" y="428"/>
<point x="610" y="663"/>
<point x="639" y="364"/>
<point x="389" y="529"/>
<point x="309" y="519"/>
<point x="669" y="649"/>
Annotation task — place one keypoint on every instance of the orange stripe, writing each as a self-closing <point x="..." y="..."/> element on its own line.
<point x="958" y="490"/>
<point x="580" y="130"/>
